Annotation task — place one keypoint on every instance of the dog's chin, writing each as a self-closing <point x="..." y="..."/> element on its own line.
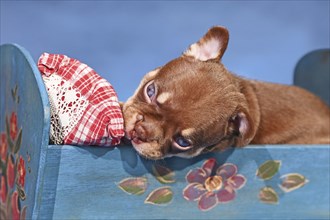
<point x="145" y="149"/>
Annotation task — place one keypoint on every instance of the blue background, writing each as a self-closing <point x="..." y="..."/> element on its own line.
<point x="122" y="40"/>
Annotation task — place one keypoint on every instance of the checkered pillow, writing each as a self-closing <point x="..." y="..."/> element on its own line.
<point x="84" y="106"/>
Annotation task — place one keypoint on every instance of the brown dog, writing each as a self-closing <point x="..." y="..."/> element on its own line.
<point x="193" y="104"/>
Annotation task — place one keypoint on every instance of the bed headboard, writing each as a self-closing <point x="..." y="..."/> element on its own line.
<point x="24" y="121"/>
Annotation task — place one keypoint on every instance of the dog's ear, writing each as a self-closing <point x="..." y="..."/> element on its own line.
<point x="211" y="46"/>
<point x="240" y="128"/>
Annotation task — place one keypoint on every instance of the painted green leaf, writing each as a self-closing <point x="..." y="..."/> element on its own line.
<point x="292" y="181"/>
<point x="160" y="196"/>
<point x="163" y="174"/>
<point x="268" y="169"/>
<point x="3" y="212"/>
<point x="268" y="195"/>
<point x="2" y="167"/>
<point x="18" y="141"/>
<point x="14" y="93"/>
<point x="133" y="186"/>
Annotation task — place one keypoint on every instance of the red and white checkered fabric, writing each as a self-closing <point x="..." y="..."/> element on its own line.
<point x="96" y="118"/>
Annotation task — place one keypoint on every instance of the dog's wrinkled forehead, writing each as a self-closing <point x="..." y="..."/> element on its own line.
<point x="191" y="84"/>
<point x="185" y="89"/>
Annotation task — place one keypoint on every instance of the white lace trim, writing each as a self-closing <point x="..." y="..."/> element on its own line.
<point x="67" y="106"/>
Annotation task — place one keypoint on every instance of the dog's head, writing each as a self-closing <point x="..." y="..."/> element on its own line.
<point x="190" y="105"/>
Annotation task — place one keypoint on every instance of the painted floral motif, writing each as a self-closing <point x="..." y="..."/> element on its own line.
<point x="133" y="185"/>
<point x="160" y="196"/>
<point x="3" y="194"/>
<point x="12" y="170"/>
<point x="3" y="147"/>
<point x="163" y="174"/>
<point x="289" y="182"/>
<point x="13" y="125"/>
<point x="138" y="186"/>
<point x="21" y="172"/>
<point x="268" y="169"/>
<point x="14" y="206"/>
<point x="210" y="185"/>
<point x="292" y="181"/>
<point x="268" y="195"/>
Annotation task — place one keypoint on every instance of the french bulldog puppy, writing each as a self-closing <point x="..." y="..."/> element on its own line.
<point x="193" y="105"/>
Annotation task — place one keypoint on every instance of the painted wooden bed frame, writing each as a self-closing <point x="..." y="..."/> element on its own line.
<point x="43" y="181"/>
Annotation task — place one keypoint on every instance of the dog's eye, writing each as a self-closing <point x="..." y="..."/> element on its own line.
<point x="150" y="91"/>
<point x="181" y="143"/>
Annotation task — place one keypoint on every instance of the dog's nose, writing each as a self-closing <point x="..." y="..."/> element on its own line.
<point x="141" y="132"/>
<point x="130" y="122"/>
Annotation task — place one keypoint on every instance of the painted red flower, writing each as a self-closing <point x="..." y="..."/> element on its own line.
<point x="14" y="206"/>
<point x="3" y="147"/>
<point x="209" y="188"/>
<point x="21" y="171"/>
<point x="13" y="125"/>
<point x="3" y="192"/>
<point x="10" y="172"/>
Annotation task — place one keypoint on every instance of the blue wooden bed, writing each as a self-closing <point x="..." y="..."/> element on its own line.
<point x="43" y="181"/>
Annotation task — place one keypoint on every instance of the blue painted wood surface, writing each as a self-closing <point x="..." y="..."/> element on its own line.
<point x="23" y="95"/>
<point x="69" y="182"/>
<point x="87" y="184"/>
<point x="312" y="72"/>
